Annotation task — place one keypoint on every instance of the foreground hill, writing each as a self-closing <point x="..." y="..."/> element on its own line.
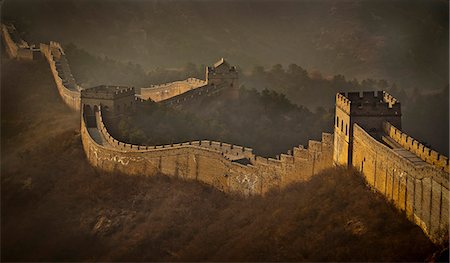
<point x="56" y="207"/>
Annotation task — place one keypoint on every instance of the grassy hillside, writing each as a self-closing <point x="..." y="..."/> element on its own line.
<point x="253" y="120"/>
<point x="56" y="207"/>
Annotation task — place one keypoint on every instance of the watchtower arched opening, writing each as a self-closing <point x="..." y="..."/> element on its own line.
<point x="89" y="116"/>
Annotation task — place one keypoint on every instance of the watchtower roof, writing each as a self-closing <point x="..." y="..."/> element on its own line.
<point x="368" y="103"/>
<point x="221" y="66"/>
<point x="220" y="62"/>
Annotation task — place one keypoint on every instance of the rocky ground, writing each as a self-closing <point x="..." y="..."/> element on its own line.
<point x="56" y="207"/>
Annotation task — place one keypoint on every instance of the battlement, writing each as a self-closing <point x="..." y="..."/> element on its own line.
<point x="343" y="102"/>
<point x="407" y="142"/>
<point x="193" y="81"/>
<point x="168" y="90"/>
<point x="107" y="92"/>
<point x="368" y="103"/>
<point x="388" y="98"/>
<point x="420" y="188"/>
<point x="221" y="73"/>
<point x="57" y="45"/>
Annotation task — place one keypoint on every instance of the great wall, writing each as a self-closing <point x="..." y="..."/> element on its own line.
<point x="367" y="136"/>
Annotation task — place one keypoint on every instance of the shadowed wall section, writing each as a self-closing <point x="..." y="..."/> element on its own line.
<point x="415" y="187"/>
<point x="15" y="46"/>
<point x="67" y="89"/>
<point x="213" y="163"/>
<point x="367" y="136"/>
<point x="168" y="90"/>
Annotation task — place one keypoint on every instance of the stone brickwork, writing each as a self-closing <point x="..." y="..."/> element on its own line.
<point x="165" y="91"/>
<point x="366" y="136"/>
<point x="413" y="177"/>
<point x="115" y="99"/>
<point x="224" y="75"/>
<point x="417" y="188"/>
<point x="369" y="110"/>
<point x="219" y="77"/>
<point x="214" y="163"/>
<point x="15" y="46"/>
<point x="428" y="155"/>
<point x="70" y="93"/>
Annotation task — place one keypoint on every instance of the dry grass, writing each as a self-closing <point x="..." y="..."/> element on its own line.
<point x="55" y="207"/>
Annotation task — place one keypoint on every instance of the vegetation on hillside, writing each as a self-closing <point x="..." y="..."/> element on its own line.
<point x="90" y="70"/>
<point x="265" y="121"/>
<point x="425" y="114"/>
<point x="403" y="41"/>
<point x="56" y="207"/>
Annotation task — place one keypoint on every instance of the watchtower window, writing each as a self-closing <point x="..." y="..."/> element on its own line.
<point x="342" y="125"/>
<point x="346" y="129"/>
<point x="337" y="121"/>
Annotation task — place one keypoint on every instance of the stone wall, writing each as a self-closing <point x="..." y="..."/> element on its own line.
<point x="164" y="91"/>
<point x="15" y="46"/>
<point x="10" y="46"/>
<point x="210" y="162"/>
<point x="53" y="53"/>
<point x="192" y="96"/>
<point x="342" y="142"/>
<point x="428" y="155"/>
<point x="417" y="188"/>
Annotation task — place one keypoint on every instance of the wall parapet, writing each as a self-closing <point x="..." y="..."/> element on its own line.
<point x="418" y="189"/>
<point x="342" y="102"/>
<point x="168" y="90"/>
<point x="368" y="103"/>
<point x="70" y="96"/>
<point x="15" y="46"/>
<point x="407" y="142"/>
<point x="267" y="173"/>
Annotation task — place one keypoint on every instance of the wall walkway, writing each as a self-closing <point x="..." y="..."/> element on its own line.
<point x="416" y="187"/>
<point x="207" y="161"/>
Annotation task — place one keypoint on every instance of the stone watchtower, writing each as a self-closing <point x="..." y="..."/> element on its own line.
<point x="369" y="110"/>
<point x="115" y="99"/>
<point x="222" y="74"/>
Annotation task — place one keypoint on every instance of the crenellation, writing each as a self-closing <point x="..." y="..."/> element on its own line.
<point x="275" y="162"/>
<point x="342" y="102"/>
<point x="407" y="142"/>
<point x="301" y="152"/>
<point x="361" y="120"/>
<point x="239" y="148"/>
<point x="314" y="146"/>
<point x="284" y="158"/>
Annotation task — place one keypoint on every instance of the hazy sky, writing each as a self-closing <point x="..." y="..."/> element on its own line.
<point x="403" y="41"/>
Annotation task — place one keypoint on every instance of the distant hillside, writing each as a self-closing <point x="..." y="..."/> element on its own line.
<point x="265" y="121"/>
<point x="56" y="207"/>
<point x="401" y="41"/>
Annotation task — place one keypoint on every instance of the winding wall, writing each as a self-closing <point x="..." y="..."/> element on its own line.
<point x="71" y="96"/>
<point x="426" y="154"/>
<point x="209" y="162"/>
<point x="168" y="90"/>
<point x="412" y="176"/>
<point x="412" y="185"/>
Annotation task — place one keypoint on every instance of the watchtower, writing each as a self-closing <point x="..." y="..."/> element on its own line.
<point x="115" y="99"/>
<point x="222" y="74"/>
<point x="369" y="110"/>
